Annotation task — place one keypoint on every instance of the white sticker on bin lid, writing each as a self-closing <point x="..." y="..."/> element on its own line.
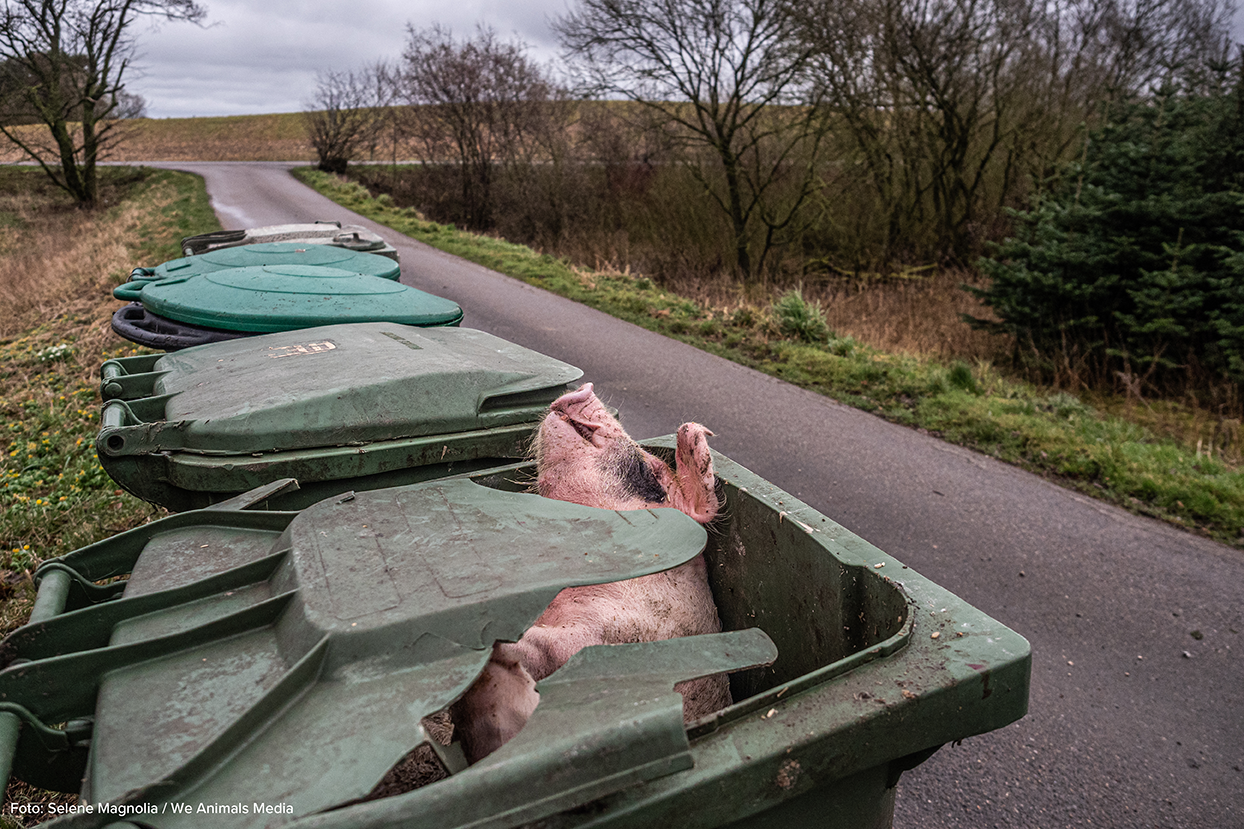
<point x="298" y="350"/>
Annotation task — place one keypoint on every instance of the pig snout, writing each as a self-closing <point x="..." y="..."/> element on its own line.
<point x="578" y="396"/>
<point x="583" y="455"/>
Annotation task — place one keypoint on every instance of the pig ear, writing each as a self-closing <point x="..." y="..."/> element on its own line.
<point x="695" y="486"/>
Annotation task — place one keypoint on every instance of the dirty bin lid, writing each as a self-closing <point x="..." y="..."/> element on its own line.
<point x="275" y="253"/>
<point x="328" y="386"/>
<point x="270" y="298"/>
<point x="354" y="237"/>
<point x="309" y="659"/>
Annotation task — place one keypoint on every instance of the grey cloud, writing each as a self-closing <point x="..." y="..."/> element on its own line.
<point x="256" y="59"/>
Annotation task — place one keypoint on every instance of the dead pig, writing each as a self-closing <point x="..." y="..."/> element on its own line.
<point x="583" y="455"/>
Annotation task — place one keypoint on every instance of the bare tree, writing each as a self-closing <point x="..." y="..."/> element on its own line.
<point x="480" y="100"/>
<point x="129" y="106"/>
<point x="348" y="112"/>
<point x="934" y="92"/>
<point x="732" y="78"/>
<point x="65" y="63"/>
<point x="958" y="107"/>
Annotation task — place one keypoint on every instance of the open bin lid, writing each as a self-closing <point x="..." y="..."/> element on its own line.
<point x="267" y="298"/>
<point x="331" y="403"/>
<point x="275" y="253"/>
<point x="876" y="667"/>
<point x="298" y="671"/>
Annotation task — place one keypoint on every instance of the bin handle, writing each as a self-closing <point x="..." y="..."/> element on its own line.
<point x="49" y="602"/>
<point x="52" y="596"/>
<point x="114" y="415"/>
<point x="130" y="291"/>
<point x="10" y="731"/>
<point x="111" y="370"/>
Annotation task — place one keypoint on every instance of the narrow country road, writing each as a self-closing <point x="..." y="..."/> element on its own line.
<point x="1137" y="703"/>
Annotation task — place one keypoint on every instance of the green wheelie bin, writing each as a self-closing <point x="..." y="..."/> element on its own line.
<point x="339" y="407"/>
<point x="264" y="668"/>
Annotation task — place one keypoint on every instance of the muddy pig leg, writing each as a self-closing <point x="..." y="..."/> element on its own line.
<point x="496" y="707"/>
<point x="501" y="701"/>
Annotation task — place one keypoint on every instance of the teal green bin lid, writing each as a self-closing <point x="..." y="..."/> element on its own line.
<point x="279" y="253"/>
<point x="249" y="256"/>
<point x="270" y="298"/>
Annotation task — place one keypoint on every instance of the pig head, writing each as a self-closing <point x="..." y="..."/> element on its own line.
<point x="583" y="455"/>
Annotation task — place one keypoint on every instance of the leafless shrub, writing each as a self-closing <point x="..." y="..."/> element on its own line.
<point x="959" y="108"/>
<point x="349" y="111"/>
<point x="730" y="80"/>
<point x="480" y="103"/>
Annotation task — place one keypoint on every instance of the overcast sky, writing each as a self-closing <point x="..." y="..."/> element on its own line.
<point x="262" y="57"/>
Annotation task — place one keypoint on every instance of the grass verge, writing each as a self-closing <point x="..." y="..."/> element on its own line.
<point x="58" y="266"/>
<point x="1053" y="434"/>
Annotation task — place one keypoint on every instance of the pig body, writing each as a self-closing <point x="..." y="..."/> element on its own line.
<point x="583" y="455"/>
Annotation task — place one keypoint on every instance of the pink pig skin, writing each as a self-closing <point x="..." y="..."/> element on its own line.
<point x="583" y="455"/>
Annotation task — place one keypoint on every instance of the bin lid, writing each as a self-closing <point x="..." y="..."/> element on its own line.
<point x="274" y="253"/>
<point x="268" y="298"/>
<point x="354" y="237"/>
<point x="298" y="672"/>
<point x="323" y="387"/>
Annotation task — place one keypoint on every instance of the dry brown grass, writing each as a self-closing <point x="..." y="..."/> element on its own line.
<point x="45" y="266"/>
<point x="57" y="267"/>
<point x="277" y="137"/>
<point x="920" y="316"/>
<point x="917" y="316"/>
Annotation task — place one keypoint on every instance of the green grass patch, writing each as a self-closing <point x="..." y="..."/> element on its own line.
<point x="54" y="495"/>
<point x="1050" y="433"/>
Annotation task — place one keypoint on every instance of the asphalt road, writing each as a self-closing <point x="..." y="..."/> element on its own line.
<point x="1137" y="699"/>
